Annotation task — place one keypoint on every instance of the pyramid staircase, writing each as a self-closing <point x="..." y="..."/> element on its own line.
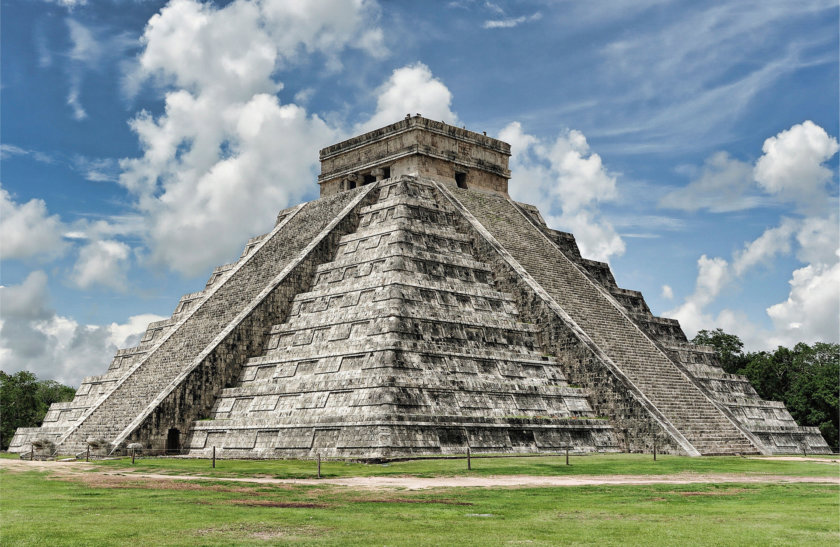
<point x="680" y="384"/>
<point x="402" y="346"/>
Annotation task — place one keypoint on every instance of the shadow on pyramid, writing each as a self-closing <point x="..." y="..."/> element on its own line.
<point x="415" y="309"/>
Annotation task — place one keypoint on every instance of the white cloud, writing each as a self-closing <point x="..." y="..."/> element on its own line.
<point x="226" y="155"/>
<point x="34" y="338"/>
<point x="819" y="239"/>
<point x="8" y="151"/>
<point x="713" y="275"/>
<point x="411" y="89"/>
<point x="102" y="262"/>
<point x="667" y="292"/>
<point x="773" y="242"/>
<point x="792" y="164"/>
<point x="811" y="312"/>
<point x="89" y="50"/>
<point x="27" y="230"/>
<point x="68" y="3"/>
<point x="510" y="22"/>
<point x="568" y="181"/>
<point x="97" y="169"/>
<point x="791" y="167"/>
<point x="86" y="48"/>
<point x="724" y="185"/>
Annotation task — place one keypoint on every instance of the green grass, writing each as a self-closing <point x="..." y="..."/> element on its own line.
<point x="596" y="464"/>
<point x="36" y="510"/>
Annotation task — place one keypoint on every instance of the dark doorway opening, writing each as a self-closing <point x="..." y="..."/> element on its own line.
<point x="368" y="179"/>
<point x="461" y="180"/>
<point x="173" y="441"/>
<point x="351" y="184"/>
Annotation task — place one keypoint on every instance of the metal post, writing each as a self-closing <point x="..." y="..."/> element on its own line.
<point x="214" y="457"/>
<point x="654" y="449"/>
<point x="32" y="453"/>
<point x="567" y="455"/>
<point x="87" y="454"/>
<point x="319" y="464"/>
<point x="804" y="452"/>
<point x="132" y="456"/>
<point x="469" y="460"/>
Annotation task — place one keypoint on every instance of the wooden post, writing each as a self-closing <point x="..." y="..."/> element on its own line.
<point x="132" y="456"/>
<point x="32" y="453"/>
<point x="654" y="449"/>
<point x="319" y="464"/>
<point x="469" y="460"/>
<point x="567" y="455"/>
<point x="214" y="457"/>
<point x="87" y="454"/>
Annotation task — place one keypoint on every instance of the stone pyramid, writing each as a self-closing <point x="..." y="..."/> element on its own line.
<point x="416" y="309"/>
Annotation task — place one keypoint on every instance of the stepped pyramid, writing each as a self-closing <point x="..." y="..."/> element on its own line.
<point x="415" y="309"/>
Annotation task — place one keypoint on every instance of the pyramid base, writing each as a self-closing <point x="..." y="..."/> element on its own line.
<point x="386" y="440"/>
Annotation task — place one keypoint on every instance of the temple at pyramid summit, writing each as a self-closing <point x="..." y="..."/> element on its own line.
<point x="415" y="309"/>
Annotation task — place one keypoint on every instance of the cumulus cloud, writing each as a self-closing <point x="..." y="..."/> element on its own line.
<point x="791" y="168"/>
<point x="810" y="313"/>
<point x="34" y="338"/>
<point x="792" y="164"/>
<point x="226" y="155"/>
<point x="724" y="185"/>
<point x="27" y="230"/>
<point x="667" y="292"/>
<point x="103" y="263"/>
<point x="411" y="89"/>
<point x="569" y="181"/>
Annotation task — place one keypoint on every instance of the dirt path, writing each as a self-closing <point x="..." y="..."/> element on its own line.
<point x="82" y="470"/>
<point x="829" y="460"/>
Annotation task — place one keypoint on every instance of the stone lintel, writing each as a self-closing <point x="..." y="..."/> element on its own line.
<point x="417" y="146"/>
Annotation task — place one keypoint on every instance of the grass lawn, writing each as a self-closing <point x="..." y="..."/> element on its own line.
<point x="101" y="510"/>
<point x="595" y="464"/>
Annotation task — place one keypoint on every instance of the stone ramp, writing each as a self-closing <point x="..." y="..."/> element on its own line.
<point x="643" y="364"/>
<point x="215" y="323"/>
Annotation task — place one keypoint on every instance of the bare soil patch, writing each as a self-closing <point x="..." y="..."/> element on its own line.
<point x="811" y="459"/>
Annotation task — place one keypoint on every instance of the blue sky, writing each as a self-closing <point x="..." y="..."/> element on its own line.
<point x="693" y="145"/>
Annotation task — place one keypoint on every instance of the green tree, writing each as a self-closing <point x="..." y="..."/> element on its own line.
<point x="24" y="401"/>
<point x="729" y="347"/>
<point x="814" y="391"/>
